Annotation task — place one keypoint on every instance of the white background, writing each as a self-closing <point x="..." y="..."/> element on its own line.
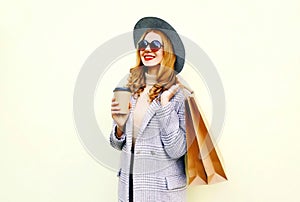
<point x="43" y="44"/>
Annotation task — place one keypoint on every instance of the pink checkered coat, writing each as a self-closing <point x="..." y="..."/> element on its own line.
<point x="158" y="168"/>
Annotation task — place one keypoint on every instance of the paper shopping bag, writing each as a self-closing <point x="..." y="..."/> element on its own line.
<point x="195" y="171"/>
<point x="203" y="165"/>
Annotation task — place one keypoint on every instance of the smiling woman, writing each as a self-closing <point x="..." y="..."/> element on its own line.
<point x="155" y="58"/>
<point x="152" y="135"/>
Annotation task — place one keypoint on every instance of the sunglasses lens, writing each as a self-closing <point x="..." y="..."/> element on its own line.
<point x="142" y="45"/>
<point x="155" y="45"/>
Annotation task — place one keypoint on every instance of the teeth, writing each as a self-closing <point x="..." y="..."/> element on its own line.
<point x="148" y="56"/>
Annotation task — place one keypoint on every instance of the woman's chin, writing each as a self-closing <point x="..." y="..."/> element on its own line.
<point x="150" y="63"/>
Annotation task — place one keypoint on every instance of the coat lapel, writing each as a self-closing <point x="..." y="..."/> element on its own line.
<point x="153" y="107"/>
<point x="149" y="114"/>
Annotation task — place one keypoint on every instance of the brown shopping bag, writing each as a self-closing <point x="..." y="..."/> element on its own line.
<point x="195" y="171"/>
<point x="203" y="165"/>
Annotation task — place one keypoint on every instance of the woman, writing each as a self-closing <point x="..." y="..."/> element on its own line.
<point x="152" y="136"/>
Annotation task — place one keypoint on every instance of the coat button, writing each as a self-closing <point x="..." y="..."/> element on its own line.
<point x="119" y="173"/>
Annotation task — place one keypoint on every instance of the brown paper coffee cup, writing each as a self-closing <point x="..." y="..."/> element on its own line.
<point x="122" y="95"/>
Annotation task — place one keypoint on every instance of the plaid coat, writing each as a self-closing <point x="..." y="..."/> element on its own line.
<point x="157" y="163"/>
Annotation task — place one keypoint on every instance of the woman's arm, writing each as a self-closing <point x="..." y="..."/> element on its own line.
<point x="172" y="122"/>
<point x="117" y="137"/>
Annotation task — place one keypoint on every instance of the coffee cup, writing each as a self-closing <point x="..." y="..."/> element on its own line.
<point x="122" y="96"/>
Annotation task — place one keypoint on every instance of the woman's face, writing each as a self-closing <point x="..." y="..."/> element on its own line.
<point x="152" y="57"/>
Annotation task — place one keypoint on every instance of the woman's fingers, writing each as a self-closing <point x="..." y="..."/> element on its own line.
<point x="168" y="94"/>
<point x="115" y="109"/>
<point x="113" y="101"/>
<point x="114" y="106"/>
<point x="120" y="119"/>
<point x="173" y="90"/>
<point x="115" y="113"/>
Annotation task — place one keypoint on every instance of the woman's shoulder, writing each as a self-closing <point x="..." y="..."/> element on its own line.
<point x="180" y="95"/>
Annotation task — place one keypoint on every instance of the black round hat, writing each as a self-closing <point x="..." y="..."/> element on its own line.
<point x="156" y="23"/>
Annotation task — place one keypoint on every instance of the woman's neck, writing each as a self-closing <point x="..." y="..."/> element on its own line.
<point x="150" y="79"/>
<point x="153" y="70"/>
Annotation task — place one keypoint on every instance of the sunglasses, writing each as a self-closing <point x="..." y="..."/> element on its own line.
<point x="155" y="45"/>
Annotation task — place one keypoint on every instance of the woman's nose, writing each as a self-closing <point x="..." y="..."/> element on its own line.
<point x="148" y="48"/>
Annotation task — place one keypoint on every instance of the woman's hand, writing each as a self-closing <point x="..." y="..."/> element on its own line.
<point x="168" y="94"/>
<point x="120" y="119"/>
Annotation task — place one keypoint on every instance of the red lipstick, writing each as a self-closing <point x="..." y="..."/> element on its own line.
<point x="148" y="57"/>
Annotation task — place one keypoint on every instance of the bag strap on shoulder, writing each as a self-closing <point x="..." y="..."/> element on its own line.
<point x="186" y="90"/>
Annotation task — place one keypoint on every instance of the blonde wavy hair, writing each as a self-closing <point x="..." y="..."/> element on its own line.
<point x="166" y="76"/>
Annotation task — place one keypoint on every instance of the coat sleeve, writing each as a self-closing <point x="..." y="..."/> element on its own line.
<point x="115" y="142"/>
<point x="173" y="133"/>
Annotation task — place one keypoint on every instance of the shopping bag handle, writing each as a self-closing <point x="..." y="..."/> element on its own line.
<point x="191" y="92"/>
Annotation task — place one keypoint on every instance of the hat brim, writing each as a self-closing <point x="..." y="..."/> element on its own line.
<point x="147" y="23"/>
